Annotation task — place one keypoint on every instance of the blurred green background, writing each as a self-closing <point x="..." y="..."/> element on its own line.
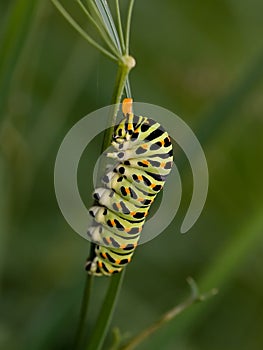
<point x="203" y="61"/>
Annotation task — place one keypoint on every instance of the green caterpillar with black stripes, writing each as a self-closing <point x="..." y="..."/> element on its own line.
<point x="144" y="156"/>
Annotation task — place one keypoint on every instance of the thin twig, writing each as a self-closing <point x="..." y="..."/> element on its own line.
<point x="99" y="16"/>
<point x="128" y="27"/>
<point x="107" y="39"/>
<point x="108" y="20"/>
<point x="171" y="314"/>
<point x="119" y="22"/>
<point x="104" y="14"/>
<point x="81" y="31"/>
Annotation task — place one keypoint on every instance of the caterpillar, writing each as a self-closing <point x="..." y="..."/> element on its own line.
<point x="144" y="156"/>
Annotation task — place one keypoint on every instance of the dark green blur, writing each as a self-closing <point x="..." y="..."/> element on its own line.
<point x="201" y="60"/>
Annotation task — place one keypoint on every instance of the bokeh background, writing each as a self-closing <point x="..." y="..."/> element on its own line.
<point x="202" y="60"/>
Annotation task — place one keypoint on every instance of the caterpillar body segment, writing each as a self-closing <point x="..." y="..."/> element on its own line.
<point x="102" y="236"/>
<point x="143" y="180"/>
<point x="125" y="188"/>
<point x="114" y="202"/>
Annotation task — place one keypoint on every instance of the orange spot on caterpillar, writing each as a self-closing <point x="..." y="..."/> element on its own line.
<point x="127" y="229"/>
<point x="127" y="106"/>
<point x="99" y="263"/>
<point x="133" y="213"/>
<point x="112" y="222"/>
<point x="127" y="190"/>
<point x="145" y="162"/>
<point x="162" y="165"/>
<point x="144" y="146"/>
<point x="139" y="177"/>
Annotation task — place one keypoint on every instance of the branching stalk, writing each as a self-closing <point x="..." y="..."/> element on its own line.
<point x="107" y="39"/>
<point x="171" y="314"/>
<point x="105" y="13"/>
<point x="82" y="32"/>
<point x="101" y="18"/>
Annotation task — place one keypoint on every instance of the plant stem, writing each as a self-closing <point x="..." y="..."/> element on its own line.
<point x="105" y="13"/>
<point x="168" y="316"/>
<point x="103" y="20"/>
<point x="120" y="31"/>
<point x="82" y="32"/>
<point x="101" y="328"/>
<point x="84" y="311"/>
<point x="106" y="313"/>
<point x="128" y="27"/>
<point x="125" y="65"/>
<point x="107" y="39"/>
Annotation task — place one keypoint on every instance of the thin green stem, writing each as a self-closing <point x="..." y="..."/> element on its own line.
<point x="128" y="88"/>
<point x="105" y="13"/>
<point x="111" y="297"/>
<point x="128" y="27"/>
<point x="103" y="322"/>
<point x="171" y="314"/>
<point x="97" y="15"/>
<point x="104" y="35"/>
<point x="119" y="23"/>
<point x="106" y="313"/>
<point x="83" y="312"/>
<point x="82" y="32"/>
<point x="102" y="18"/>
<point x="220" y="272"/>
<point x="101" y="328"/>
<point x="125" y="65"/>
